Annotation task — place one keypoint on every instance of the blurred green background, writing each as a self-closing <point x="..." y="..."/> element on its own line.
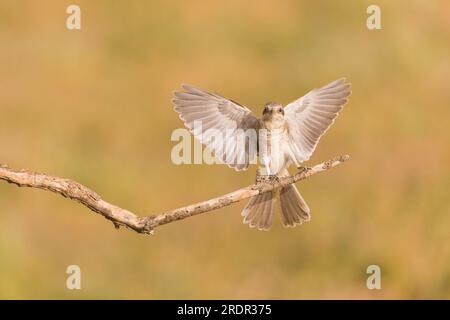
<point x="94" y="105"/>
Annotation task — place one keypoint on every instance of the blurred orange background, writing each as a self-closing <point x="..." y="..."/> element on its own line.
<point x="94" y="105"/>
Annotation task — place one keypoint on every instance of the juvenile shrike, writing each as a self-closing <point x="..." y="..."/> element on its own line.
<point x="297" y="127"/>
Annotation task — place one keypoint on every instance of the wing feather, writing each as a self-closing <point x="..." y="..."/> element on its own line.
<point x="310" y="116"/>
<point x="219" y="113"/>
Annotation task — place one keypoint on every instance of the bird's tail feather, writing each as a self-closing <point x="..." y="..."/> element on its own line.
<point x="259" y="211"/>
<point x="294" y="209"/>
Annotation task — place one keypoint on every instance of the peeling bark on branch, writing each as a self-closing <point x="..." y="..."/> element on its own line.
<point x="121" y="217"/>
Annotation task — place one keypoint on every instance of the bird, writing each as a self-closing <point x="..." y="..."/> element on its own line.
<point x="290" y="133"/>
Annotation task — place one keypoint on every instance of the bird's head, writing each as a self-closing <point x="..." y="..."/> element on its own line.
<point x="273" y="111"/>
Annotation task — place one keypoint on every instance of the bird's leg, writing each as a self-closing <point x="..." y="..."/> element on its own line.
<point x="303" y="168"/>
<point x="266" y="178"/>
<point x="297" y="164"/>
<point x="269" y="178"/>
<point x="264" y="173"/>
<point x="273" y="178"/>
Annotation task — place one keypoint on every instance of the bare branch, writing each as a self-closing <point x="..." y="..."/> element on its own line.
<point x="121" y="217"/>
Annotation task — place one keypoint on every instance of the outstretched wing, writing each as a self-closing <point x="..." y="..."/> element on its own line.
<point x="216" y="114"/>
<point x="310" y="116"/>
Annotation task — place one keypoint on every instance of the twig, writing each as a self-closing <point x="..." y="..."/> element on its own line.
<point x="121" y="217"/>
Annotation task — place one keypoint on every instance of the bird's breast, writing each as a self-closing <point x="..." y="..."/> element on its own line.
<point x="272" y="149"/>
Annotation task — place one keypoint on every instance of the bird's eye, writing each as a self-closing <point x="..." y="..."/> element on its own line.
<point x="266" y="110"/>
<point x="281" y="111"/>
